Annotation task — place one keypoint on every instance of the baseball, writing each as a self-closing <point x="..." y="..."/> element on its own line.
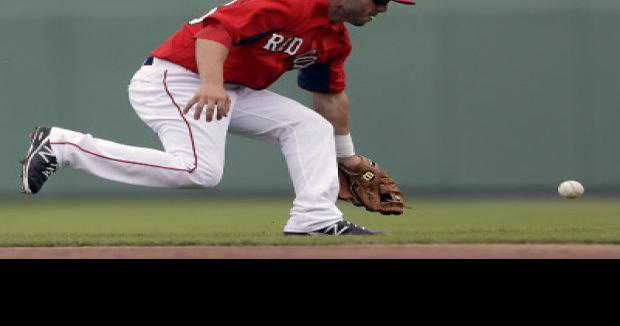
<point x="570" y="189"/>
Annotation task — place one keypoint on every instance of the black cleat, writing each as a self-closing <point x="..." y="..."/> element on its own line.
<point x="40" y="161"/>
<point x="339" y="228"/>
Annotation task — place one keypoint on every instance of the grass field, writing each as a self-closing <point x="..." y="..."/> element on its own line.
<point x="36" y="222"/>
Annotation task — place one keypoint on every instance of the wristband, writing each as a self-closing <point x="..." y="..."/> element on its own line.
<point x="344" y="146"/>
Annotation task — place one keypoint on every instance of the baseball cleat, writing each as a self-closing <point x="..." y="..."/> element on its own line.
<point x="339" y="228"/>
<point x="39" y="162"/>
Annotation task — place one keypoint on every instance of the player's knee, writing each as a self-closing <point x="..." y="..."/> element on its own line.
<point x="326" y="127"/>
<point x="208" y="177"/>
<point x="317" y="124"/>
<point x="321" y="129"/>
<point x="310" y="125"/>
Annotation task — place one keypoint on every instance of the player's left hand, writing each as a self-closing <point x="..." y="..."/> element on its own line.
<point x="364" y="183"/>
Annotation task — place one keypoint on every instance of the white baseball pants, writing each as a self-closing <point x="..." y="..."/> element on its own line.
<point x="193" y="155"/>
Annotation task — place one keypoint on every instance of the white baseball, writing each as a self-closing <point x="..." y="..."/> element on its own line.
<point x="571" y="189"/>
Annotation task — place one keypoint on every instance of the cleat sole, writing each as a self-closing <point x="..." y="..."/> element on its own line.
<point x="24" y="161"/>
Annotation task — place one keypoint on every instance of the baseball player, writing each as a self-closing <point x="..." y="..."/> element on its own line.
<point x="211" y="78"/>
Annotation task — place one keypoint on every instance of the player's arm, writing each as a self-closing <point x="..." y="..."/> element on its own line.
<point x="225" y="26"/>
<point x="334" y="107"/>
<point x="210" y="57"/>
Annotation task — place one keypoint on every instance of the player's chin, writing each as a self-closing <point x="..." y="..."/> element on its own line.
<point x="361" y="21"/>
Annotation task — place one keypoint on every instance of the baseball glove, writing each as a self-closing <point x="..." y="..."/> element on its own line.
<point x="369" y="186"/>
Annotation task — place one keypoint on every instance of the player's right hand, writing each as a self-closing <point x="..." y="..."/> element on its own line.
<point x="213" y="97"/>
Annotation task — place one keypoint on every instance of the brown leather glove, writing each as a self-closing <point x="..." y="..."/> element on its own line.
<point x="369" y="186"/>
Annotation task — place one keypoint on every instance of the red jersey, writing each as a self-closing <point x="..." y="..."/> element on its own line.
<point x="266" y="38"/>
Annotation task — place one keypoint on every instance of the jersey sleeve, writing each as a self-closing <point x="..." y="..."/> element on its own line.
<point x="215" y="32"/>
<point x="249" y="20"/>
<point x="328" y="76"/>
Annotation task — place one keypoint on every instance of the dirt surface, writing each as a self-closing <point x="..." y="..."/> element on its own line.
<point x="410" y="251"/>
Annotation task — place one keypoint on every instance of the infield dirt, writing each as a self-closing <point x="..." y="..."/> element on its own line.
<point x="409" y="251"/>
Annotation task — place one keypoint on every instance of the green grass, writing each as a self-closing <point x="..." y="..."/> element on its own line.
<point x="36" y="222"/>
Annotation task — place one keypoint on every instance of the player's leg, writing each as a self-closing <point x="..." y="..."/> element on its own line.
<point x="194" y="151"/>
<point x="307" y="142"/>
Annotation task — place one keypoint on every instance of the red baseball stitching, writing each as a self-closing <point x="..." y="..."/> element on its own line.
<point x="191" y="135"/>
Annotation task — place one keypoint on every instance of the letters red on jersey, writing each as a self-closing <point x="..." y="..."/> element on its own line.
<point x="266" y="39"/>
